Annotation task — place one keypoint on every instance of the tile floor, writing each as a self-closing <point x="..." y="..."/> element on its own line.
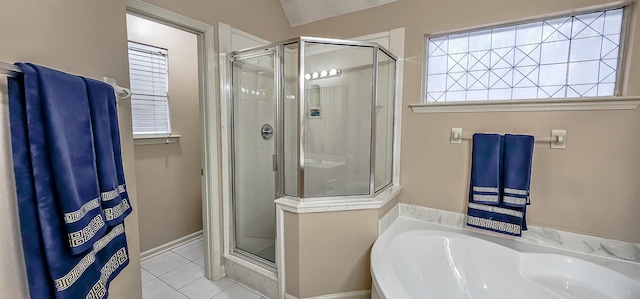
<point x="179" y="274"/>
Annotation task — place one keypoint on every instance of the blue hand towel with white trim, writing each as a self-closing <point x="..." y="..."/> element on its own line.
<point x="486" y="169"/>
<point x="518" y="156"/>
<point x="66" y="126"/>
<point x="499" y="219"/>
<point x="102" y="101"/>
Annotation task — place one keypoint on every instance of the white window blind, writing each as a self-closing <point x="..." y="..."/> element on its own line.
<point x="573" y="56"/>
<point x="148" y="71"/>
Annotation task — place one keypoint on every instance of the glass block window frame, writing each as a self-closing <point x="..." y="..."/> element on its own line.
<point x="560" y="57"/>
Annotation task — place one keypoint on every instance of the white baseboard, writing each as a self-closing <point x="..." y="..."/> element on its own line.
<point x="170" y="245"/>
<point x="364" y="294"/>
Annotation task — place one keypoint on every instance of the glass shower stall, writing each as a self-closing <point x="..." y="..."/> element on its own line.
<point x="311" y="119"/>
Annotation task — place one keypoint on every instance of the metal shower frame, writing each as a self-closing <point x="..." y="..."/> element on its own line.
<point x="277" y="49"/>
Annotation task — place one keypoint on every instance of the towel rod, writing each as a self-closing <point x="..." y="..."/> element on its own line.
<point x="13" y="71"/>
<point x="558" y="138"/>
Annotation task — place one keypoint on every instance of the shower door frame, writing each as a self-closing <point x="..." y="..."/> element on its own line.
<point x="275" y="51"/>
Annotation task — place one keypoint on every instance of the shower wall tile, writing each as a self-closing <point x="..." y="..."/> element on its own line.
<point x="537" y="235"/>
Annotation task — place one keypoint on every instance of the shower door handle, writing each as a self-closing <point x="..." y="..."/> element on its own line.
<point x="266" y="131"/>
<point x="274" y="162"/>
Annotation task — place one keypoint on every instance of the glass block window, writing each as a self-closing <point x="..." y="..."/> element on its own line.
<point x="575" y="56"/>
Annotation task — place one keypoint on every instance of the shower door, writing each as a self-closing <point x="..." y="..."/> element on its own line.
<point x="255" y="170"/>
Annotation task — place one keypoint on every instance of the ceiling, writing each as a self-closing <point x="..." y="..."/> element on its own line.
<point x="306" y="11"/>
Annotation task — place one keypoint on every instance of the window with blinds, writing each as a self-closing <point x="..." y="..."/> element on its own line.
<point x="148" y="71"/>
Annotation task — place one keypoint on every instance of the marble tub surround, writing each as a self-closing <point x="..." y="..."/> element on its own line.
<point x="385" y="221"/>
<point x="549" y="237"/>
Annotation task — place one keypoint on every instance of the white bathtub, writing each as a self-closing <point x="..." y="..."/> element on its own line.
<point x="442" y="264"/>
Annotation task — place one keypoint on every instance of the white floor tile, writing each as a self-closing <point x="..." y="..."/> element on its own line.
<point x="183" y="275"/>
<point x="146" y="276"/>
<point x="237" y="291"/>
<point x="203" y="288"/>
<point x="200" y="262"/>
<point x="175" y="295"/>
<point x="187" y="244"/>
<point x="179" y="274"/>
<point x="154" y="257"/>
<point x="165" y="264"/>
<point x="192" y="251"/>
<point x="156" y="289"/>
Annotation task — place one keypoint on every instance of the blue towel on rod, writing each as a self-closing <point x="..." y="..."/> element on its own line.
<point x="112" y="255"/>
<point x="499" y="219"/>
<point x="44" y="146"/>
<point x="102" y="102"/>
<point x="117" y="152"/>
<point x="66" y="127"/>
<point x="489" y="180"/>
<point x="32" y="236"/>
<point x="486" y="169"/>
<point x="518" y="155"/>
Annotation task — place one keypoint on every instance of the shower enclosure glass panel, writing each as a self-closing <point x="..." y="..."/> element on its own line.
<point x="337" y="121"/>
<point x="384" y="120"/>
<point x="254" y="148"/>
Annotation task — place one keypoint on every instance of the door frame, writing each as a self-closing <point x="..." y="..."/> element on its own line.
<point x="211" y="201"/>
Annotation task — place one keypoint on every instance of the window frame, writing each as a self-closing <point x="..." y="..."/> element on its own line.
<point x="618" y="100"/>
<point x="151" y="138"/>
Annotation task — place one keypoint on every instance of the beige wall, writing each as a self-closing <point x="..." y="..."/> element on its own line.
<point x="264" y="18"/>
<point x="591" y="187"/>
<point x="331" y="254"/>
<point x="84" y="37"/>
<point x="168" y="175"/>
<point x="292" y="253"/>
